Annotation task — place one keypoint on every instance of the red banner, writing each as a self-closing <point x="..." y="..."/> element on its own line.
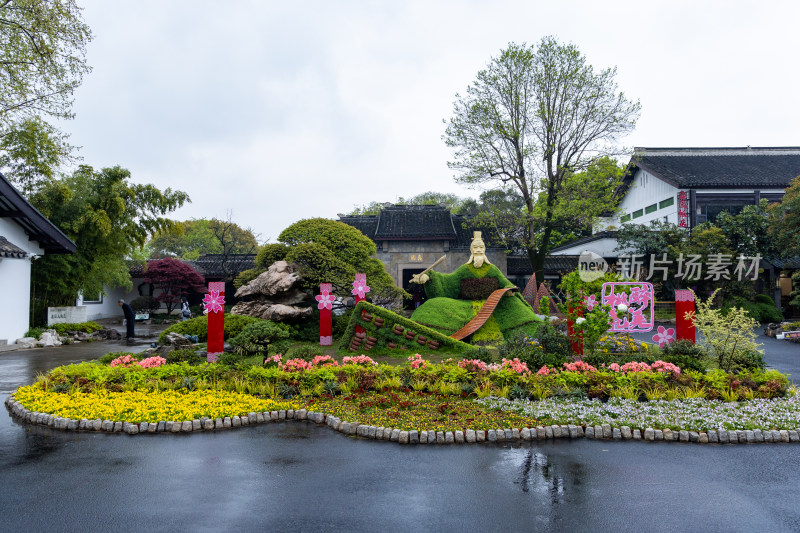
<point x="684" y="303"/>
<point x="214" y="304"/>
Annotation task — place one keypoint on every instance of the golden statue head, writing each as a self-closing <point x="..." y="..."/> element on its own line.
<point x="477" y="251"/>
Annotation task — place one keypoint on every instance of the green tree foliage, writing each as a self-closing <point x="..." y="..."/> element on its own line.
<point x="784" y="221"/>
<point x="175" y="279"/>
<point x="31" y="152"/>
<point x="455" y="203"/>
<point x="534" y="117"/>
<point x="731" y="336"/>
<point x="192" y="238"/>
<point x="747" y="231"/>
<point x="269" y="253"/>
<point x="107" y="217"/>
<point x="650" y="239"/>
<point x="42" y="49"/>
<point x="329" y="251"/>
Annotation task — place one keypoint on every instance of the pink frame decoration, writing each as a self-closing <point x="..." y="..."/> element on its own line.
<point x="640" y="300"/>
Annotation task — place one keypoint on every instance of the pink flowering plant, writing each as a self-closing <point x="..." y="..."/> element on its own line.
<point x="416" y="362"/>
<point x="359" y="360"/>
<point x="125" y="361"/>
<point x="296" y="365"/>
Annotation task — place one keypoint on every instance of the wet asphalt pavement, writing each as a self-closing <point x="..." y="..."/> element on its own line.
<point x="296" y="476"/>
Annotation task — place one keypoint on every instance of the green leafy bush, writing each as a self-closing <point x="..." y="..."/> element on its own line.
<point x="234" y="324"/>
<point x="686" y="355"/>
<point x="83" y="327"/>
<point x="763" y="299"/>
<point x="107" y="358"/>
<point x="305" y="352"/>
<point x="145" y="304"/>
<point x="269" y="253"/>
<point x="759" y="310"/>
<point x="186" y="355"/>
<point x="34" y="332"/>
<point x="259" y="337"/>
<point x="533" y="352"/>
<point x="246" y="276"/>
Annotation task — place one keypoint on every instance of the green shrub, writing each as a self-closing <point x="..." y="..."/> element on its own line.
<point x="259" y="337"/>
<point x="307" y="330"/>
<point x="234" y="324"/>
<point x="145" y="304"/>
<point x="246" y="276"/>
<point x="34" y="332"/>
<point x="83" y="327"/>
<point x="186" y="355"/>
<point x="269" y="253"/>
<point x="480" y="353"/>
<point x="759" y="310"/>
<point x="763" y="299"/>
<point x="107" y="358"/>
<point x="533" y="352"/>
<point x="686" y="355"/>
<point x="305" y="352"/>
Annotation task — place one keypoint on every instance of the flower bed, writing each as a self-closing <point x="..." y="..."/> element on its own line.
<point x="420" y="395"/>
<point x="417" y="411"/>
<point x="689" y="413"/>
<point x="140" y="406"/>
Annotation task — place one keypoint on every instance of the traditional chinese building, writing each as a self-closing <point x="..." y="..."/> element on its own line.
<point x="24" y="234"/>
<point x="689" y="186"/>
<point x="410" y="238"/>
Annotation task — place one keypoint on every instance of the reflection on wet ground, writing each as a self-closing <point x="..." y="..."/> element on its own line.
<point x="296" y="476"/>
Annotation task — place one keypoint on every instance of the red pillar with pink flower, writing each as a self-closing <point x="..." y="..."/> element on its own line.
<point x="360" y="290"/>
<point x="214" y="307"/>
<point x="684" y="303"/>
<point x="325" y="305"/>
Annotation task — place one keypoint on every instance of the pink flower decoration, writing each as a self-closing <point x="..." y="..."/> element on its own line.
<point x="325" y="300"/>
<point x="664" y="336"/>
<point x="590" y="302"/>
<point x="360" y="288"/>
<point x="213" y="302"/>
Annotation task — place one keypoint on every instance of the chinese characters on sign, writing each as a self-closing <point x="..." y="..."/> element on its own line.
<point x="690" y="267"/>
<point x="683" y="210"/>
<point x="416" y="258"/>
<point x="636" y="299"/>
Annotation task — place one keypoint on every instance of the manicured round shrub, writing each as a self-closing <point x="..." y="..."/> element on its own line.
<point x="259" y="337"/>
<point x="186" y="355"/>
<point x="269" y="253"/>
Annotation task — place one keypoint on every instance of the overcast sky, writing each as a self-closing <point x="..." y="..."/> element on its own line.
<point x="278" y="111"/>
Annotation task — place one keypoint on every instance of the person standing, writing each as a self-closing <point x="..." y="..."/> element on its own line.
<point x="186" y="313"/>
<point x="130" y="319"/>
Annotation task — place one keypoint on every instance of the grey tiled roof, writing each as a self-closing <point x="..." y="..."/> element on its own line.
<point x="417" y="223"/>
<point x="14" y="206"/>
<point x="210" y="265"/>
<point x="585" y="240"/>
<point x="8" y="249"/>
<point x="720" y="167"/>
<point x="519" y="265"/>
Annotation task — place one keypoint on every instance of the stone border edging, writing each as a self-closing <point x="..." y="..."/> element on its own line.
<point x="569" y="431"/>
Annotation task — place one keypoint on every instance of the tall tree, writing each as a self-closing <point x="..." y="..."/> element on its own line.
<point x="192" y="238"/>
<point x="784" y="220"/>
<point x="329" y="251"/>
<point x="532" y="118"/>
<point x="108" y="218"/>
<point x="31" y="153"/>
<point x="175" y="278"/>
<point x="42" y="58"/>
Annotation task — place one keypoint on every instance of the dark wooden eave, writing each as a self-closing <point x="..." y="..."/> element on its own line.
<point x="14" y="206"/>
